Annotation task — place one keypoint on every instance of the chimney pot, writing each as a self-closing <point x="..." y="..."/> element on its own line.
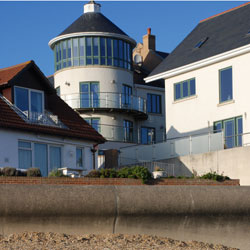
<point x="149" y="31"/>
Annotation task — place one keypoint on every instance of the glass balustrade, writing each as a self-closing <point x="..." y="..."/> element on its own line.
<point x="105" y="100"/>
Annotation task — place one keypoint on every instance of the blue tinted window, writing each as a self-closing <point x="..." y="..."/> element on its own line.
<point x="89" y="95"/>
<point x="184" y="89"/>
<point x="226" y="85"/>
<point x="128" y="131"/>
<point x="177" y="91"/>
<point x="147" y="135"/>
<point x="22" y="98"/>
<point x="153" y="103"/>
<point x="192" y="87"/>
<point x="233" y="129"/>
<point x="88" y="46"/>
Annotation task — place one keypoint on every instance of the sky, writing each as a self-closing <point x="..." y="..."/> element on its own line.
<point x="27" y="27"/>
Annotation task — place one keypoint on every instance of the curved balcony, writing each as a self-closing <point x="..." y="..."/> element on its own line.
<point x="107" y="101"/>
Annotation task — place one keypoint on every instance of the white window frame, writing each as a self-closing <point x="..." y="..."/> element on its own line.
<point x="48" y="151"/>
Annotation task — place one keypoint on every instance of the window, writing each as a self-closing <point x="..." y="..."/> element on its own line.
<point x="24" y="155"/>
<point x="226" y="84"/>
<point x="29" y="100"/>
<point x="79" y="157"/>
<point x="89" y="94"/>
<point x="92" y="50"/>
<point x="147" y="135"/>
<point x="184" y="89"/>
<point x="45" y="157"/>
<point x="200" y="43"/>
<point x="128" y="131"/>
<point x="233" y="130"/>
<point x="94" y="122"/>
<point x="126" y="95"/>
<point x="154" y="103"/>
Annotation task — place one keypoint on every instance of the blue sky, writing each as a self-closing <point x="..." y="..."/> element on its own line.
<point x="27" y="27"/>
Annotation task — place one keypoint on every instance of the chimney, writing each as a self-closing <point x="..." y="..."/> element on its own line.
<point x="149" y="40"/>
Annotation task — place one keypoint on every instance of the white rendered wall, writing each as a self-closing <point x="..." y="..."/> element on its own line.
<point x="198" y="114"/>
<point x="9" y="148"/>
<point x="104" y="75"/>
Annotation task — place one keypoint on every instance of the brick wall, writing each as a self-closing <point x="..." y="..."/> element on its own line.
<point x="111" y="181"/>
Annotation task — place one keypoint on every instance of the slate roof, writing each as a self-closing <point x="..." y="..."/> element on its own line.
<point x="76" y="127"/>
<point x="93" y="22"/>
<point x="225" y="32"/>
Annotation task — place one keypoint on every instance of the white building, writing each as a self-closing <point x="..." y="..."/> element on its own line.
<point x="37" y="129"/>
<point x="207" y="79"/>
<point x="94" y="74"/>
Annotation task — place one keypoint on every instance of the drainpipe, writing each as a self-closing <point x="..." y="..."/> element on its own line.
<point x="93" y="150"/>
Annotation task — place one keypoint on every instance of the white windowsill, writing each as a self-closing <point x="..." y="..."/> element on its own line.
<point x="185" y="99"/>
<point x="225" y="103"/>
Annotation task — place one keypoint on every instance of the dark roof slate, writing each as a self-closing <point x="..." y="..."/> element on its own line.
<point x="225" y="32"/>
<point x="93" y="22"/>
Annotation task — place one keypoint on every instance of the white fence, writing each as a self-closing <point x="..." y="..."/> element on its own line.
<point x="172" y="148"/>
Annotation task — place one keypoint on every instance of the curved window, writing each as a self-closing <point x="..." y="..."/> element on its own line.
<point x="92" y="51"/>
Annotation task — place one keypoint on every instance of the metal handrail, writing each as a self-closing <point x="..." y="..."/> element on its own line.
<point x="105" y="100"/>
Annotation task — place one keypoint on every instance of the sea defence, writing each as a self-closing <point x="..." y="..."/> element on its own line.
<point x="214" y="214"/>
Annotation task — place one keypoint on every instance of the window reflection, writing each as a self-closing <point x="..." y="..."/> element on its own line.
<point x="92" y="51"/>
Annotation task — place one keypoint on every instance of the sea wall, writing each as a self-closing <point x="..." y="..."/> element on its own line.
<point x="215" y="214"/>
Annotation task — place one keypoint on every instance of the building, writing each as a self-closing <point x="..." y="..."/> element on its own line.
<point x="207" y="79"/>
<point x="95" y="75"/>
<point x="38" y="129"/>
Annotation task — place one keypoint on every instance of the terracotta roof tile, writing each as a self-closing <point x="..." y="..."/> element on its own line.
<point x="7" y="74"/>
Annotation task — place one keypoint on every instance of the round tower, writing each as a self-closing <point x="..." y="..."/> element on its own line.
<point x="94" y="74"/>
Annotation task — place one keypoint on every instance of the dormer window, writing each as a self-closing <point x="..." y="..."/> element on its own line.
<point x="29" y="100"/>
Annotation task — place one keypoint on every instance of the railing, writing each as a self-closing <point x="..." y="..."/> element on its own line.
<point x="45" y="118"/>
<point x="172" y="148"/>
<point x="105" y="100"/>
<point x="117" y="133"/>
<point x="151" y="166"/>
<point x="120" y="134"/>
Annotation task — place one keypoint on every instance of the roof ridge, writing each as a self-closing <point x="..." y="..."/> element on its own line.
<point x="224" y="12"/>
<point x="17" y="65"/>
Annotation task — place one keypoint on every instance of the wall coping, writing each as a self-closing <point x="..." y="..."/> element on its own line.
<point x="112" y="181"/>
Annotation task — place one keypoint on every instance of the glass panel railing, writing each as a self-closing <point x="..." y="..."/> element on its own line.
<point x="105" y="100"/>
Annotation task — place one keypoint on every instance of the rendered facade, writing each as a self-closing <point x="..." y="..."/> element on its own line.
<point x="206" y="79"/>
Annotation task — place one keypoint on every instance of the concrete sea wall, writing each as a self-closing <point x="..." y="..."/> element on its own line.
<point x="215" y="214"/>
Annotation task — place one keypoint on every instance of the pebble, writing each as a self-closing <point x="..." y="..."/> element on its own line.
<point x="56" y="241"/>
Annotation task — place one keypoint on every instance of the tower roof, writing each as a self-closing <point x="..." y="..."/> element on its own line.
<point x="92" y="22"/>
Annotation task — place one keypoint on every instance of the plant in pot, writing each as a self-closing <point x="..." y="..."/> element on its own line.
<point x="159" y="172"/>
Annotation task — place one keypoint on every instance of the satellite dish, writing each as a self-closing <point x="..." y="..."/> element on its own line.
<point x="138" y="59"/>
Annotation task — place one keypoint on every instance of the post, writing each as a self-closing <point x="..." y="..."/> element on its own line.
<point x="209" y="142"/>
<point x="93" y="150"/>
<point x="190" y="144"/>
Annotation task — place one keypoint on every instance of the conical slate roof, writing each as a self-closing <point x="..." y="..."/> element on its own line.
<point x="93" y="22"/>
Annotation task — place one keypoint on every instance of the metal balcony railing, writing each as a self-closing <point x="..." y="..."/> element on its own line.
<point x="105" y="100"/>
<point x="45" y="118"/>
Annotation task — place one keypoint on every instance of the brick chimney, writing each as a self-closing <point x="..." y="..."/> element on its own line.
<point x="149" y="40"/>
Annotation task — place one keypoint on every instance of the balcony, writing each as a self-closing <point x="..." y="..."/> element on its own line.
<point x="122" y="134"/>
<point x="106" y="101"/>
